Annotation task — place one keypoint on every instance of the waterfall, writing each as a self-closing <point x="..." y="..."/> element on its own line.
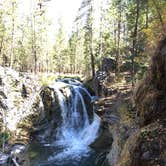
<point x="77" y="130"/>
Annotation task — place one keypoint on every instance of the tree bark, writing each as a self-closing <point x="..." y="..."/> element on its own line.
<point x="34" y="45"/>
<point x="118" y="43"/>
<point x="91" y="43"/>
<point x="147" y="14"/>
<point x="134" y="50"/>
<point x="12" y="35"/>
<point x="160" y="17"/>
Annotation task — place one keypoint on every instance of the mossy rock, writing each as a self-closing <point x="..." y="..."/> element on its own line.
<point x="50" y="102"/>
<point x="89" y="85"/>
<point x="47" y="98"/>
<point x="103" y="142"/>
<point x="146" y="147"/>
<point x="150" y="96"/>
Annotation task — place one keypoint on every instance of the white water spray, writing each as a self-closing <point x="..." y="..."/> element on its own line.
<point x="77" y="130"/>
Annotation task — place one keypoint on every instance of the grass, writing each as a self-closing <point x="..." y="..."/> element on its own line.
<point x="47" y="78"/>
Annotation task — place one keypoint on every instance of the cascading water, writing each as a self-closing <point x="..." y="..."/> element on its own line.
<point x="78" y="128"/>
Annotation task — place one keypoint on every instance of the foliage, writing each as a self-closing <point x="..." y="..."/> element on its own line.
<point x="4" y="137"/>
<point x="113" y="29"/>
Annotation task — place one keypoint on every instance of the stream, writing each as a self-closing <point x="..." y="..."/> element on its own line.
<point x="75" y="133"/>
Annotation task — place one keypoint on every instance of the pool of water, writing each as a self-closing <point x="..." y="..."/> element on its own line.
<point x="46" y="155"/>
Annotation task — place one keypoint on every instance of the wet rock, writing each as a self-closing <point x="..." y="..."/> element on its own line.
<point x="19" y="155"/>
<point x="16" y="149"/>
<point x="46" y="94"/>
<point x="111" y="119"/>
<point x="103" y="142"/>
<point x="51" y="104"/>
<point x="89" y="104"/>
<point x="89" y="85"/>
<point x="24" y="91"/>
<point x="3" y="95"/>
<point x="1" y="83"/>
<point x="3" y="159"/>
<point x="146" y="156"/>
<point x="51" y="101"/>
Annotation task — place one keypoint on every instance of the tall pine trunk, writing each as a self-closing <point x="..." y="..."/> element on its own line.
<point x="118" y="44"/>
<point x="147" y="14"/>
<point x="91" y="43"/>
<point x="160" y="17"/>
<point x="12" y="37"/>
<point x="134" y="45"/>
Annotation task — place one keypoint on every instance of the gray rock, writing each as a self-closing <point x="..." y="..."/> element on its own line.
<point x="3" y="158"/>
<point x="17" y="149"/>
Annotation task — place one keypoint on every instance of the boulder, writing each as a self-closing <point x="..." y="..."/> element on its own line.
<point x="108" y="64"/>
<point x="146" y="147"/>
<point x="20" y="104"/>
<point x="150" y="99"/>
<point x="4" y="159"/>
<point x="51" y="103"/>
<point x="19" y="156"/>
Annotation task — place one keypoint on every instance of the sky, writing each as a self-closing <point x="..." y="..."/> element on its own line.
<point x="56" y="9"/>
<point x="64" y="9"/>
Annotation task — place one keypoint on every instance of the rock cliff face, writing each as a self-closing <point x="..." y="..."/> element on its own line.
<point x="150" y="98"/>
<point x="117" y="115"/>
<point x="51" y="102"/>
<point x="147" y="147"/>
<point x="20" y="105"/>
<point x="139" y="133"/>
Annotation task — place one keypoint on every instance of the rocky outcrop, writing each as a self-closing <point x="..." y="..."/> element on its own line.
<point x="115" y="112"/>
<point x="139" y="132"/>
<point x="147" y="146"/>
<point x="108" y="64"/>
<point x="121" y="127"/>
<point x="20" y="105"/>
<point x="150" y="98"/>
<point x="51" y="102"/>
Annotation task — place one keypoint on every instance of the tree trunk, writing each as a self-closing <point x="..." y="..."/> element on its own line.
<point x="118" y="44"/>
<point x="147" y="14"/>
<point x="101" y="37"/>
<point x="92" y="58"/>
<point x="134" y="51"/>
<point x="115" y="36"/>
<point x="91" y="43"/>
<point x="34" y="45"/>
<point x="1" y="44"/>
<point x="12" y="35"/>
<point x="160" y="17"/>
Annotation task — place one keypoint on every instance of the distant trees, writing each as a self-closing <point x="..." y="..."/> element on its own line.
<point x="124" y="30"/>
<point x="85" y="17"/>
<point x="60" y="50"/>
<point x="21" y="37"/>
